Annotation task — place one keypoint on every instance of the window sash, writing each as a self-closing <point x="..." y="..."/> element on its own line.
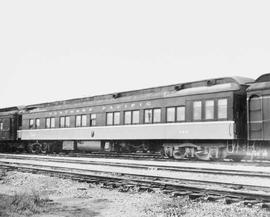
<point x="148" y="116"/>
<point x="156" y="115"/>
<point x="78" y="121"/>
<point x="62" y="122"/>
<point x="116" y="118"/>
<point x="67" y="121"/>
<point x="84" y="120"/>
<point x="93" y="119"/>
<point x="170" y="112"/>
<point x="127" y="117"/>
<point x="31" y="123"/>
<point x="37" y="122"/>
<point x="180" y="113"/>
<point x="109" y="118"/>
<point x="48" y="123"/>
<point x="222" y="108"/>
<point x="209" y="109"/>
<point x="52" y="122"/>
<point x="136" y="117"/>
<point x="197" y="110"/>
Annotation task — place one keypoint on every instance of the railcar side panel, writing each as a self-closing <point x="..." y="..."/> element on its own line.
<point x="224" y="130"/>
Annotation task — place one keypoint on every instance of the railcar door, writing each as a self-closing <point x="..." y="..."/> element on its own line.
<point x="255" y="124"/>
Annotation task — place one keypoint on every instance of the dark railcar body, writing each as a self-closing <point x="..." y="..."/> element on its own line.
<point x="10" y="122"/>
<point x="258" y="100"/>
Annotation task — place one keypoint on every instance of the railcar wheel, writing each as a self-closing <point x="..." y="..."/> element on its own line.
<point x="179" y="154"/>
<point x="145" y="147"/>
<point x="44" y="148"/>
<point x="34" y="148"/>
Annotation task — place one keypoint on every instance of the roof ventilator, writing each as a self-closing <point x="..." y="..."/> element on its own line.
<point x="116" y="95"/>
<point x="179" y="87"/>
<point x="211" y="82"/>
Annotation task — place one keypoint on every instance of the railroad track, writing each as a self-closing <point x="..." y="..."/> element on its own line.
<point x="233" y="184"/>
<point x="145" y="165"/>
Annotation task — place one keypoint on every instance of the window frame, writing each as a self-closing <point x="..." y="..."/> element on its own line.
<point x="93" y="120"/>
<point x="213" y="109"/>
<point x="67" y="117"/>
<point x="47" y="126"/>
<point x="53" y="118"/>
<point x="193" y="110"/>
<point x="174" y="114"/>
<point x="83" y="120"/>
<point x="227" y="102"/>
<point x="144" y="114"/>
<point x="152" y="115"/>
<point x="118" y="118"/>
<point x="60" y="121"/>
<point x="132" y="116"/>
<point x="111" y="118"/>
<point x="37" y="120"/>
<point x="50" y="122"/>
<point x="31" y="123"/>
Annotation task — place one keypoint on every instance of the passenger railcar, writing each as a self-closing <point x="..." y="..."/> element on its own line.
<point x="258" y="101"/>
<point x="10" y="122"/>
<point x="203" y="119"/>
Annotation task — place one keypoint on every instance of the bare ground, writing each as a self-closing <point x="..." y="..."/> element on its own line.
<point x="24" y="194"/>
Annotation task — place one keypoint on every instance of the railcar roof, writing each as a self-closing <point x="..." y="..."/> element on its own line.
<point x="8" y="111"/>
<point x="263" y="78"/>
<point x="148" y="92"/>
<point x="261" y="83"/>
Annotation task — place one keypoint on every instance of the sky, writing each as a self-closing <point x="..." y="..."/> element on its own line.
<point x="61" y="49"/>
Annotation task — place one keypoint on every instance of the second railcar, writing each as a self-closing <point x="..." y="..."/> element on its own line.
<point x="10" y="123"/>
<point x="258" y="101"/>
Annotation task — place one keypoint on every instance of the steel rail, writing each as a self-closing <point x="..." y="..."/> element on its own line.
<point x="146" y="166"/>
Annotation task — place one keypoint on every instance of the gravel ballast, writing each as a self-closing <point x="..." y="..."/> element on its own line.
<point x="25" y="194"/>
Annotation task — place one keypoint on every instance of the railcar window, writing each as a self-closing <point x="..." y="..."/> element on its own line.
<point x="170" y="114"/>
<point x="78" y="120"/>
<point x="209" y="109"/>
<point x="148" y="116"/>
<point x="197" y="110"/>
<point x="84" y="120"/>
<point x="52" y="122"/>
<point x="109" y="118"/>
<point x="157" y="115"/>
<point x="31" y="123"/>
<point x="116" y="118"/>
<point x="127" y="117"/>
<point x="1" y="125"/>
<point x="67" y="121"/>
<point x="62" y="122"/>
<point x="37" y="124"/>
<point x="181" y="113"/>
<point x="93" y="118"/>
<point x="222" y="108"/>
<point x="48" y="123"/>
<point x="135" y="117"/>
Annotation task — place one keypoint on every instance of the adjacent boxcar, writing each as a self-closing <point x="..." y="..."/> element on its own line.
<point x="198" y="119"/>
<point x="258" y="100"/>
